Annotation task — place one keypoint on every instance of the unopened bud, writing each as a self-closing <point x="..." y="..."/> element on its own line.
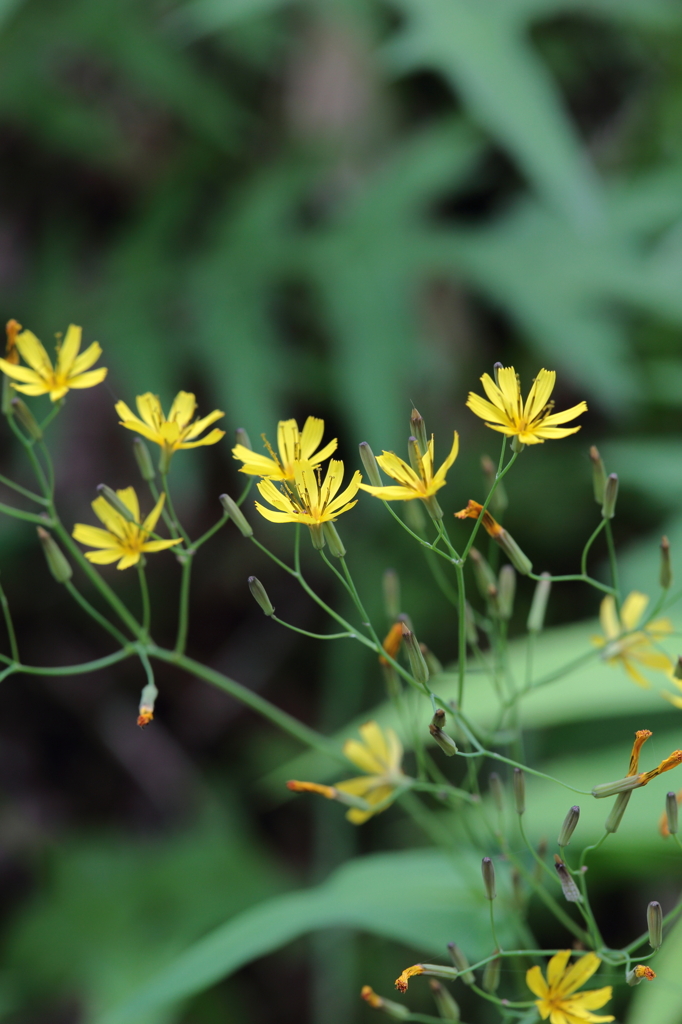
<point x="146" y="708"/>
<point x="317" y="536"/>
<point x="241" y="437"/>
<point x="55" y="557"/>
<point x="638" y="974"/>
<point x="605" y="789"/>
<point x="677" y="671"/>
<point x="371" y="465"/>
<point x="445" y="1004"/>
<point x="615" y="817"/>
<point x="666" y="577"/>
<point x="232" y="509"/>
<point x="445" y="742"/>
<point x="517" y="444"/>
<point x="518" y="559"/>
<point x="418" y="428"/>
<point x="112" y="498"/>
<point x="335" y="543"/>
<point x="608" y="509"/>
<point x="485" y="578"/>
<point x="413" y="454"/>
<point x="499" y="501"/>
<point x="27" y="419"/>
<point x="519" y="791"/>
<point x="654" y="920"/>
<point x="568" y="827"/>
<point x="570" y="889"/>
<point x="143" y="459"/>
<point x="391" y="591"/>
<point x="488" y="872"/>
<point x="496" y="790"/>
<point x="506" y="588"/>
<point x="461" y="963"/>
<point x="598" y="475"/>
<point x="538" y="607"/>
<point x="491" y="975"/>
<point x="377" y="1002"/>
<point x="496" y="371"/>
<point x="671" y="812"/>
<point x="418" y="666"/>
<point x="260" y="595"/>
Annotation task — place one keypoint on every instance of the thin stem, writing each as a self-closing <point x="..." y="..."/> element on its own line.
<point x="498" y="476"/>
<point x="171" y="510"/>
<point x="315" y="636"/>
<point x="209" y="533"/>
<point x="23" y="490"/>
<point x="496" y="942"/>
<point x="7" y="615"/>
<point x="420" y="540"/>
<point x="613" y="562"/>
<point x="183" y="610"/>
<point x="29" y="517"/>
<point x="577" y="577"/>
<point x="51" y="415"/>
<point x="94" y="614"/>
<point x="462" y="649"/>
<point x="586" y="549"/>
<point x="75" y="670"/>
<point x="144" y="594"/>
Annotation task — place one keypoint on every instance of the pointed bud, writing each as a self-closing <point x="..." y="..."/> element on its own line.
<point x="536" y="615"/>
<point x="377" y="1002"/>
<point x="317" y="536"/>
<point x="241" y="437"/>
<point x="496" y="371"/>
<point x="654" y="920"/>
<point x="605" y="789"/>
<point x="445" y="1004"/>
<point x="516" y="445"/>
<point x="570" y="889"/>
<point x="598" y="475"/>
<point x="232" y="509"/>
<point x="666" y="577"/>
<point x="260" y="595"/>
<point x="519" y="791"/>
<point x="413" y="454"/>
<point x="518" y="559"/>
<point x="615" y="817"/>
<point x="112" y="498"/>
<point x="491" y="975"/>
<point x="506" y="589"/>
<point x="496" y="790"/>
<point x="55" y="557"/>
<point x="418" y="666"/>
<point x="418" y="429"/>
<point x="143" y="459"/>
<point x="671" y="813"/>
<point x="335" y="543"/>
<point x="608" y="509"/>
<point x="461" y="963"/>
<point x="445" y="742"/>
<point x="568" y="827"/>
<point x="677" y="671"/>
<point x="371" y="465"/>
<point x="488" y="872"/>
<point x="499" y="501"/>
<point x="391" y="591"/>
<point x="27" y="419"/>
<point x="485" y="578"/>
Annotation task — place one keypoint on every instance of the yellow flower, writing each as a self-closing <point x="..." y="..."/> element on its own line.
<point x="40" y="377"/>
<point x="294" y="446"/>
<point x="636" y="647"/>
<point x="558" y="998"/>
<point x="309" y="500"/>
<point x="121" y="539"/>
<point x="178" y="431"/>
<point x="533" y="422"/>
<point x="422" y="483"/>
<point x="379" y="755"/>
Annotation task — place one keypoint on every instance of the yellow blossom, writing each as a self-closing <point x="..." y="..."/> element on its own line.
<point x="121" y="539"/>
<point x="421" y="483"/>
<point x="294" y="446"/>
<point x="558" y="996"/>
<point x="532" y="422"/>
<point x="379" y="755"/>
<point x="40" y="377"/>
<point x="178" y="430"/>
<point x="309" y="499"/>
<point x="628" y="646"/>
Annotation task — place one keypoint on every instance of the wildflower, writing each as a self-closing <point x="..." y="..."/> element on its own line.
<point x="533" y="422"/>
<point x="310" y="500"/>
<point x="558" y="998"/>
<point x="626" y="645"/>
<point x="294" y="446"/>
<point x="121" y="539"/>
<point x="421" y="482"/>
<point x="40" y="377"/>
<point x="178" y="431"/>
<point x="379" y="755"/>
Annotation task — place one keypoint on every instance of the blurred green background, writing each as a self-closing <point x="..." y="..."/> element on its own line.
<point x="334" y="208"/>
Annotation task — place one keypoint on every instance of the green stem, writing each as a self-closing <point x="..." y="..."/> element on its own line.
<point x="586" y="549"/>
<point x="576" y="577"/>
<point x="76" y="670"/>
<point x="315" y="636"/>
<point x="498" y="476"/>
<point x="23" y="490"/>
<point x="94" y="614"/>
<point x="29" y="517"/>
<point x="420" y="540"/>
<point x="613" y="562"/>
<point x="144" y="594"/>
<point x="209" y="533"/>
<point x="462" y="651"/>
<point x="496" y="942"/>
<point x="51" y="415"/>
<point x="183" y="610"/>
<point x="7" y="615"/>
<point x="171" y="510"/>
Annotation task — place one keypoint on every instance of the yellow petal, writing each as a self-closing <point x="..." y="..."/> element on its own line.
<point x="323" y="453"/>
<point x="212" y="438"/>
<point x="160" y="545"/>
<point x="395" y="749"/>
<point x="375" y="741"/>
<point x="557" y="966"/>
<point x="153" y="517"/>
<point x="509" y="386"/>
<point x="362" y="757"/>
<point x="360" y="785"/>
<point x="254" y="463"/>
<point x="33" y="353"/>
<point x="182" y="409"/>
<point x="311" y="436"/>
<point x="576" y="976"/>
<point x="68" y="350"/>
<point x="32" y="389"/>
<point x="112" y="519"/>
<point x="390" y="493"/>
<point x="21" y="373"/>
<point x="673" y="698"/>
<point x="129" y="559"/>
<point x="95" y="536"/>
<point x="538" y="396"/>
<point x="535" y="982"/>
<point x="566" y="415"/>
<point x="149" y="408"/>
<point x="129" y="499"/>
<point x="592" y="1000"/>
<point x="440" y="475"/>
<point x="287" y="441"/>
<point x="86" y="359"/>
<point x="633" y="609"/>
<point x="345" y="496"/>
<point x="398" y="470"/>
<point x="487" y="411"/>
<point x="548" y="433"/>
<point x="609" y="618"/>
<point x="88" y="380"/>
<point x="103" y="557"/>
<point x="652" y="659"/>
<point x="278" y="498"/>
<point x="277" y="517"/>
<point x="377" y="796"/>
<point x="200" y="425"/>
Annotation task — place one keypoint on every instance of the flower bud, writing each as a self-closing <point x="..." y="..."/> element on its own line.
<point x="335" y="543"/>
<point x="418" y="666"/>
<point x="615" y="817"/>
<point x="517" y="445"/>
<point x="496" y="371"/>
<point x="677" y="671"/>
<point x="445" y="742"/>
<point x="538" y="607"/>
<point x="112" y="498"/>
<point x="54" y="556"/>
<point x="390" y="1008"/>
<point x="413" y="454"/>
<point x="654" y="920"/>
<point x="598" y="475"/>
<point x="391" y="591"/>
<point x="241" y="437"/>
<point x="496" y="790"/>
<point x="317" y="536"/>
<point x="146" y="709"/>
<point x="605" y="789"/>
<point x="666" y="577"/>
<point x="488" y="872"/>
<point x="608" y="509"/>
<point x="499" y="501"/>
<point x="371" y="465"/>
<point x="143" y="459"/>
<point x="445" y="1004"/>
<point x="232" y="509"/>
<point x="461" y="963"/>
<point x="519" y="791"/>
<point x="418" y="429"/>
<point x="568" y="827"/>
<point x="570" y="889"/>
<point x="260" y="595"/>
<point x="485" y="578"/>
<point x="491" y="975"/>
<point x="671" y="812"/>
<point x="513" y="552"/>
<point x="506" y="588"/>
<point x="27" y="419"/>
<point x="638" y="974"/>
